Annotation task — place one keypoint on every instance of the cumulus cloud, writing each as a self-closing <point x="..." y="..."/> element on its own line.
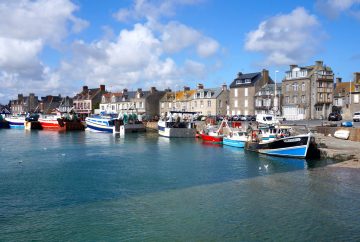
<point x="151" y="9"/>
<point x="286" y="39"/>
<point x="333" y="8"/>
<point x="26" y="27"/>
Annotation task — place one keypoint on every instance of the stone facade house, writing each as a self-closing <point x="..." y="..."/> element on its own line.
<point x="140" y="102"/>
<point x="243" y="90"/>
<point x="49" y="104"/>
<point x="265" y="100"/>
<point x="24" y="104"/>
<point x="347" y="96"/>
<point x="204" y="101"/>
<point x="88" y="100"/>
<point x="308" y="92"/>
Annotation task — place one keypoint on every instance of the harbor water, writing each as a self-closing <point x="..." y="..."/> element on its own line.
<point x="83" y="186"/>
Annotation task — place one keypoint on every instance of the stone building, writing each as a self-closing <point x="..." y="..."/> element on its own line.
<point x="204" y="101"/>
<point x="243" y="90"/>
<point x="308" y="92"/>
<point x="140" y="102"/>
<point x="267" y="100"/>
<point x="49" y="104"/>
<point x="347" y="96"/>
<point x="24" y="104"/>
<point x="88" y="100"/>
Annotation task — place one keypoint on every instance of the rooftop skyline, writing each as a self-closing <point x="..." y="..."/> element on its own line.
<point x="52" y="47"/>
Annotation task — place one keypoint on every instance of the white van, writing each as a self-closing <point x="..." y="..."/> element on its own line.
<point x="356" y="117"/>
<point x="266" y="119"/>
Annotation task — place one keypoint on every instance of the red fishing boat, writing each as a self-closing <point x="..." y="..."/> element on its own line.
<point x="213" y="134"/>
<point x="52" y="122"/>
<point x="212" y="137"/>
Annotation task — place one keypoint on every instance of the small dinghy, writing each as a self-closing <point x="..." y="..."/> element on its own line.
<point x="342" y="134"/>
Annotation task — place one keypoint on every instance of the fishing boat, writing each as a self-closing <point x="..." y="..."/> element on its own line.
<point x="108" y="124"/>
<point x="236" y="139"/>
<point x="291" y="146"/>
<point x="177" y="124"/>
<point x="52" y="122"/>
<point x="215" y="134"/>
<point x="16" y="122"/>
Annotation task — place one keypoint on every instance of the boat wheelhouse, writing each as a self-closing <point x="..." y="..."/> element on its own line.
<point x="178" y="125"/>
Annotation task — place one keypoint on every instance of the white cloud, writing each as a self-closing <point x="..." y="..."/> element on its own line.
<point x="26" y="27"/>
<point x="333" y="8"/>
<point x="286" y="39"/>
<point x="151" y="9"/>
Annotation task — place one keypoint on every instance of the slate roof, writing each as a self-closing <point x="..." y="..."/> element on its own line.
<point x="248" y="79"/>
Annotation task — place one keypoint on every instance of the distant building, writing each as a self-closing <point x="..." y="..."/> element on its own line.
<point x="88" y="99"/>
<point x="4" y="109"/>
<point x="204" y="101"/>
<point x="66" y="105"/>
<point x="243" y="90"/>
<point x="25" y="104"/>
<point x="347" y="96"/>
<point x="49" y="104"/>
<point x="265" y="100"/>
<point x="140" y="102"/>
<point x="308" y="92"/>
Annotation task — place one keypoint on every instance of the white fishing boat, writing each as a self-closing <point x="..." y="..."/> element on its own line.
<point x="16" y="122"/>
<point x="107" y="124"/>
<point x="177" y="125"/>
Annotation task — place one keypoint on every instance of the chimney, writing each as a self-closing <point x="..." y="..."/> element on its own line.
<point x="167" y="90"/>
<point x="139" y="90"/>
<point x="318" y="63"/>
<point x="20" y="97"/>
<point x="265" y="75"/>
<point x="357" y="77"/>
<point x="125" y="90"/>
<point x="338" y="80"/>
<point x="102" y="88"/>
<point x="186" y="88"/>
<point x="224" y="87"/>
<point x="239" y="74"/>
<point x="152" y="89"/>
<point x="85" y="88"/>
<point x="293" y="66"/>
<point x="200" y="86"/>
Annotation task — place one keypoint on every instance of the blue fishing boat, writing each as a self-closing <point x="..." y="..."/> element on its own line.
<point x="291" y="146"/>
<point x="99" y="123"/>
<point x="236" y="139"/>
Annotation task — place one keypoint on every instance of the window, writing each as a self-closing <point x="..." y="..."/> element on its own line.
<point x="295" y="99"/>
<point x="287" y="99"/>
<point x="247" y="80"/>
<point x="236" y="103"/>
<point x="201" y="104"/>
<point x="209" y="103"/>
<point x="162" y="105"/>
<point x="220" y="104"/>
<point x="303" y="87"/>
<point x="287" y="87"/>
<point x="295" y="86"/>
<point x="246" y="92"/>
<point x="233" y="112"/>
<point x="235" y="92"/>
<point x="201" y="94"/>
<point x="208" y="95"/>
<point x="328" y="96"/>
<point x="246" y="103"/>
<point x="195" y="95"/>
<point x="195" y="104"/>
<point x="113" y="107"/>
<point x="303" y="98"/>
<point x="113" y="99"/>
<point x="169" y="105"/>
<point x="141" y="104"/>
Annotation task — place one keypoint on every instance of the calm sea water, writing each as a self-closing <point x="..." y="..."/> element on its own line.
<point x="85" y="186"/>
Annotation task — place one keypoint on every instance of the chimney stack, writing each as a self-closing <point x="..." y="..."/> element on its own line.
<point x="224" y="87"/>
<point x="102" y="88"/>
<point x="200" y="86"/>
<point x="357" y="77"/>
<point x="153" y="90"/>
<point x="319" y="63"/>
<point x="338" y="80"/>
<point x="139" y="90"/>
<point x="125" y="90"/>
<point x="265" y="75"/>
<point x="85" y="88"/>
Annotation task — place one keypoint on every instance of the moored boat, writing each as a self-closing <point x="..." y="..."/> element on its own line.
<point x="236" y="139"/>
<point x="291" y="146"/>
<point x="108" y="124"/>
<point x="16" y="122"/>
<point x="52" y="122"/>
<point x="182" y="127"/>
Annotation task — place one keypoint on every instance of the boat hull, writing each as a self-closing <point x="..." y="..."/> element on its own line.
<point x="234" y="143"/>
<point x="294" y="146"/>
<point x="16" y="123"/>
<point x="175" y="132"/>
<point x="212" y="139"/>
<point x="51" y="124"/>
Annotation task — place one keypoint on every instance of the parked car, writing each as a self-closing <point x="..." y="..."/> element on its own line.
<point x="242" y="117"/>
<point x="356" y="117"/>
<point x="334" y="117"/>
<point x="250" y="118"/>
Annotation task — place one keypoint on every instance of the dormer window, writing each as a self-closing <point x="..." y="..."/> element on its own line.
<point x="103" y="99"/>
<point x="239" y="82"/>
<point x="208" y="95"/>
<point x="195" y="95"/>
<point x="201" y="94"/>
<point x="247" y="80"/>
<point x="113" y="99"/>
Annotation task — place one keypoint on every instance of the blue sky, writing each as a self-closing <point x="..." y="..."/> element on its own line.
<point x="52" y="47"/>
